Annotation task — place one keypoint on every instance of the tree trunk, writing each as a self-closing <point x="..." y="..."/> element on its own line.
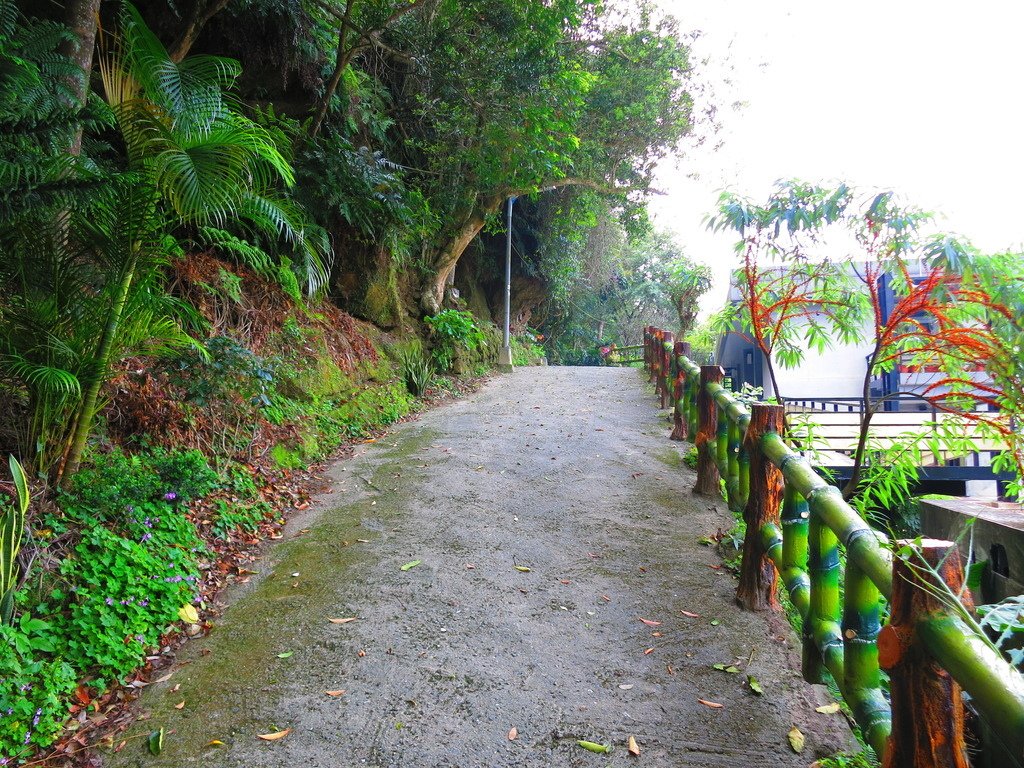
<point x="756" y="590"/>
<point x="201" y="14"/>
<point x="445" y="258"/>
<point x="82" y="18"/>
<point x="101" y="363"/>
<point x="927" y="710"/>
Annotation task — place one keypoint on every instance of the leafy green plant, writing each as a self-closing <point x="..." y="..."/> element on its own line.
<point x="453" y="328"/>
<point x="1005" y="621"/>
<point x="233" y="515"/>
<point x="12" y="526"/>
<point x="526" y="349"/>
<point x="111" y="483"/>
<point x="415" y="367"/>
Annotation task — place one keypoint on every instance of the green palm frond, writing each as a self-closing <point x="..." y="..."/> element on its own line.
<point x="192" y="91"/>
<point x="41" y="377"/>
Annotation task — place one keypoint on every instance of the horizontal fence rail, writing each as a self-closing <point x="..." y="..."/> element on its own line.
<point x="797" y="527"/>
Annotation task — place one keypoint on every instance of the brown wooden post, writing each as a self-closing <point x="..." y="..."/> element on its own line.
<point x="679" y="431"/>
<point x="647" y="348"/>
<point x="667" y="344"/>
<point x="708" y="479"/>
<point x="757" y="590"/>
<point x="655" y="356"/>
<point x="927" y="711"/>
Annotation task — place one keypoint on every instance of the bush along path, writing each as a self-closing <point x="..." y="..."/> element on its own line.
<point x="506" y="582"/>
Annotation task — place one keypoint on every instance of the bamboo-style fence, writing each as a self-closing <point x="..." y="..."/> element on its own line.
<point x="797" y="526"/>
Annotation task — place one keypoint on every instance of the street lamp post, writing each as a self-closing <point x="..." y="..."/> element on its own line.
<point x="505" y="356"/>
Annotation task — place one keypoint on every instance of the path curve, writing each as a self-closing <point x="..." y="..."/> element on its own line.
<point x="565" y="471"/>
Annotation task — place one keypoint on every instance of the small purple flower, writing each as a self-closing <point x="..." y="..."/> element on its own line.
<point x="129" y="508"/>
<point x="109" y="601"/>
<point x="141" y="639"/>
<point x="28" y="736"/>
<point x="26" y="687"/>
<point x="145" y="537"/>
<point x="170" y="496"/>
<point x="35" y="720"/>
<point x="10" y="711"/>
<point x="143" y="603"/>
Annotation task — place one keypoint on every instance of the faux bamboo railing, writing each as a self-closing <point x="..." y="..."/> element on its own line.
<point x="796" y="527"/>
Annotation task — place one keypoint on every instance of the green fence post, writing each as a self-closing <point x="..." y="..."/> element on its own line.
<point x="821" y="638"/>
<point x="795" y="516"/>
<point x="862" y="615"/>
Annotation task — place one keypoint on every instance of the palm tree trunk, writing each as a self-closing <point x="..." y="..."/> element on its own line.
<point x="82" y="18"/>
<point x="104" y="351"/>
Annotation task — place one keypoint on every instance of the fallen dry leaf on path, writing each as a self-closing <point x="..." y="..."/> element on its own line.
<point x="513" y="734"/>
<point x="796" y="739"/>
<point x="828" y="709"/>
<point x="180" y="705"/>
<point x="339" y="692"/>
<point x="670" y="669"/>
<point x="649" y="651"/>
<point x="274" y="736"/>
<point x="633" y="747"/>
<point x="712" y="704"/>
<point x="215" y="743"/>
<point x="344" y="621"/>
<point x="650" y="622"/>
<point x="690" y="614"/>
<point x="361" y="653"/>
<point x="606" y="598"/>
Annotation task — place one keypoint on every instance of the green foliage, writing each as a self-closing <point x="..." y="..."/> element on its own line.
<point x="691" y="457"/>
<point x="128" y="588"/>
<point x="1005" y="622"/>
<point x="222" y="369"/>
<point x="107" y="487"/>
<point x="863" y="759"/>
<point x="12" y="527"/>
<point x="453" y="328"/>
<point x="526" y="348"/>
<point x="229" y="516"/>
<point x="416" y="368"/>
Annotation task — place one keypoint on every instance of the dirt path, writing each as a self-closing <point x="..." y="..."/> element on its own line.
<point x="566" y="471"/>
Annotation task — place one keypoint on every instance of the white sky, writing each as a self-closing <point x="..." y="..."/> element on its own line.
<point x="923" y="97"/>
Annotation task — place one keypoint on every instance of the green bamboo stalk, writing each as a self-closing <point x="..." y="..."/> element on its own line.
<point x="732" y="477"/>
<point x="669" y="372"/>
<point x="793" y="568"/>
<point x="822" y="644"/>
<point x="825" y="501"/>
<point x="862" y="688"/>
<point x="722" y="444"/>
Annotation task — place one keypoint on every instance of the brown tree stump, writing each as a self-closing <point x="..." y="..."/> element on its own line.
<point x="708" y="478"/>
<point x="757" y="588"/>
<point x="679" y="429"/>
<point x="927" y="710"/>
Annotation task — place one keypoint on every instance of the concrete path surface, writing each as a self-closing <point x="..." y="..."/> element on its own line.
<point x="565" y="471"/>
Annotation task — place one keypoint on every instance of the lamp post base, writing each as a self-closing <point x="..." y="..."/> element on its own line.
<point x="505" y="359"/>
